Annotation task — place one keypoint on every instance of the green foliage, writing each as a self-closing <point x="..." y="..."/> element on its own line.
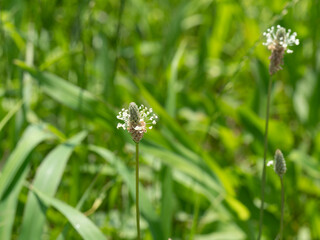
<point x="14" y="173"/>
<point x="85" y="227"/>
<point x="68" y="67"/>
<point x="46" y="180"/>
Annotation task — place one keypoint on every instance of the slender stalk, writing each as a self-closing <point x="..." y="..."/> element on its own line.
<point x="195" y="216"/>
<point x="137" y="191"/>
<point x="282" y="208"/>
<point x="264" y="159"/>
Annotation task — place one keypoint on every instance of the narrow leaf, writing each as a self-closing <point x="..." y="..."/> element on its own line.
<point x="30" y="139"/>
<point x="68" y="94"/>
<point x="9" y="115"/>
<point x="13" y="175"/>
<point x="47" y="180"/>
<point x="83" y="225"/>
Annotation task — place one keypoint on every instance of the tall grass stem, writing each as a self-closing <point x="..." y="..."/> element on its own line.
<point x="195" y="216"/>
<point x="282" y="207"/>
<point x="265" y="159"/>
<point x="137" y="191"/>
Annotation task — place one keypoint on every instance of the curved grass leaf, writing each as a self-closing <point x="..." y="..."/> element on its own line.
<point x="83" y="225"/>
<point x="6" y="19"/>
<point x="214" y="187"/>
<point x="187" y="167"/>
<point x="172" y="125"/>
<point x="185" y="139"/>
<point x="13" y="175"/>
<point x="8" y="208"/>
<point x="167" y="201"/>
<point x="172" y="81"/>
<point x="30" y="139"/>
<point x="84" y="197"/>
<point x="47" y="179"/>
<point x="9" y="115"/>
<point x="280" y="135"/>
<point x="69" y="95"/>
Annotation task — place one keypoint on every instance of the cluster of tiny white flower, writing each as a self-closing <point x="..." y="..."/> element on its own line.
<point x="147" y="117"/>
<point x="284" y="40"/>
<point x="270" y="163"/>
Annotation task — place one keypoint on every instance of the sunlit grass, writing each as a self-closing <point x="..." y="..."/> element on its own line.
<point x="67" y="68"/>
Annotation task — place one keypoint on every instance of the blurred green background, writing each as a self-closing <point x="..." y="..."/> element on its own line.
<point x="68" y="67"/>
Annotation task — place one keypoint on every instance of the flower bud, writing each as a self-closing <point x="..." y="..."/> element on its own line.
<point x="280" y="164"/>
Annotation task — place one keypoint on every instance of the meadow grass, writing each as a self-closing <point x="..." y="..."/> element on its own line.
<point x="68" y="67"/>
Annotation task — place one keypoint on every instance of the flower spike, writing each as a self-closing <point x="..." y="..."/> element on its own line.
<point x="137" y="120"/>
<point x="278" y="42"/>
<point x="279" y="163"/>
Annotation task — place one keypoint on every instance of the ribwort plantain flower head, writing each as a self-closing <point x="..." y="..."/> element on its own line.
<point x="136" y="120"/>
<point x="278" y="42"/>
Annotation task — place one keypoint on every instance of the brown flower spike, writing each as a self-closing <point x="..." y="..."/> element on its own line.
<point x="136" y="120"/>
<point x="278" y="44"/>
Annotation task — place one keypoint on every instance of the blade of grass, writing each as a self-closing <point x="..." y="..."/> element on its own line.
<point x="47" y="180"/>
<point x="82" y="200"/>
<point x="10" y="29"/>
<point x="18" y="159"/>
<point x="167" y="201"/>
<point x="10" y="114"/>
<point x="13" y="174"/>
<point x="215" y="186"/>
<point x="172" y="125"/>
<point x="8" y="207"/>
<point x="69" y="95"/>
<point x="172" y="82"/>
<point x="83" y="225"/>
<point x="26" y="79"/>
<point x="256" y="127"/>
<point x="56" y="56"/>
<point x="185" y="139"/>
<point x="185" y="166"/>
<point x="195" y="216"/>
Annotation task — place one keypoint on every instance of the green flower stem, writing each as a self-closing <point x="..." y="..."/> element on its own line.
<point x="137" y="191"/>
<point x="282" y="208"/>
<point x="264" y="159"/>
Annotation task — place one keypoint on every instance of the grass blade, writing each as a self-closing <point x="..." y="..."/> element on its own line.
<point x="182" y="164"/>
<point x="83" y="225"/>
<point x="8" y="208"/>
<point x="172" y="125"/>
<point x="68" y="94"/>
<point x="167" y="201"/>
<point x="47" y="179"/>
<point x="10" y="114"/>
<point x="172" y="82"/>
<point x="13" y="175"/>
<point x="18" y="159"/>
<point x="84" y="197"/>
